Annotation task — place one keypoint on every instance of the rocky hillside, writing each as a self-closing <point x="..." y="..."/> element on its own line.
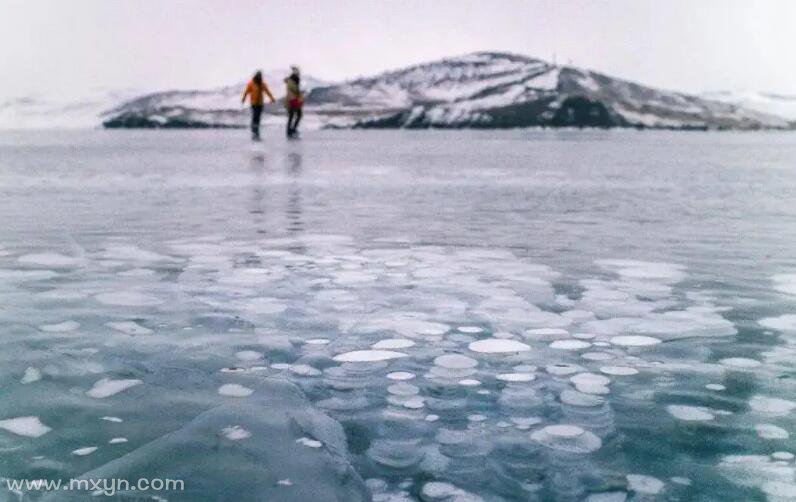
<point x="481" y="90"/>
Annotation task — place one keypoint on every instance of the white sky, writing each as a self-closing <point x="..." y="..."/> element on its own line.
<point x="73" y="47"/>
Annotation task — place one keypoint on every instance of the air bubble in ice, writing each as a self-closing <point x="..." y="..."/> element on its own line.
<point x="317" y="341"/>
<point x="597" y="356"/>
<point x="618" y="370"/>
<point x="128" y="299"/>
<point x="575" y="398"/>
<point x="61" y="327"/>
<point x="498" y="346"/>
<point x="740" y="362"/>
<point x="690" y="413"/>
<point x="50" y="260"/>
<point x="641" y="483"/>
<point x="568" y="438"/>
<point x="304" y="370"/>
<point x="455" y="361"/>
<point x="393" y="343"/>
<point x="248" y="355"/>
<point x="234" y="390"/>
<point x="515" y="377"/>
<point x="400" y="375"/>
<point x="771" y="431"/>
<point x="563" y="369"/>
<point x="235" y="433"/>
<point x="785" y="322"/>
<point x="771" y="405"/>
<point x="570" y="345"/>
<point x="368" y="356"/>
<point x="129" y="328"/>
<point x="634" y="341"/>
<point x="309" y="442"/>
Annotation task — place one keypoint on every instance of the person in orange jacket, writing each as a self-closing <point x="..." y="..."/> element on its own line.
<point x="255" y="90"/>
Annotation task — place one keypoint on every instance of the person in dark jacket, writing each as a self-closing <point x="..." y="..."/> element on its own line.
<point x="294" y="101"/>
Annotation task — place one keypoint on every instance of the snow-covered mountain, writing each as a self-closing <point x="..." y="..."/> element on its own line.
<point x="780" y="105"/>
<point x="494" y="90"/>
<point x="480" y="90"/>
<point x="57" y="111"/>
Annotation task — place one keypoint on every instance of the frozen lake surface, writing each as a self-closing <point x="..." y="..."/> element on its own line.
<point x="436" y="316"/>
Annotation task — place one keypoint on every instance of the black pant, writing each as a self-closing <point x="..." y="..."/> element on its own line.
<point x="293" y="119"/>
<point x="257" y="111"/>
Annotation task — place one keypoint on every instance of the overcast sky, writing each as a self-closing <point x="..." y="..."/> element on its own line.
<point x="75" y="46"/>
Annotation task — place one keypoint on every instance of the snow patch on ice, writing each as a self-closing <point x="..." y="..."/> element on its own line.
<point x="25" y="426"/>
<point x="107" y="387"/>
<point x="31" y="375"/>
